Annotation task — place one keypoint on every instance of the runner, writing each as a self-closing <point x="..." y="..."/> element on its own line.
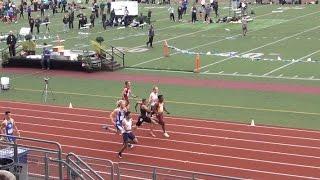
<point x="126" y="93"/>
<point x="128" y="136"/>
<point x="153" y="98"/>
<point x="144" y="116"/>
<point x="9" y="128"/>
<point x="159" y="110"/>
<point x="117" y="116"/>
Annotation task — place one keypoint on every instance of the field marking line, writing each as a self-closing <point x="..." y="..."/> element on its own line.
<point x="293" y="62"/>
<point x="169" y="124"/>
<point x="169" y="149"/>
<point x="214" y="42"/>
<point x="260" y="76"/>
<point x="170" y="140"/>
<point x="176" y="160"/>
<point x="188" y="33"/>
<point x="171" y="117"/>
<point x="185" y="103"/>
<point x="268" y="44"/>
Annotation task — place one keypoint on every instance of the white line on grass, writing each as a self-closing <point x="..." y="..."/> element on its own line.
<point x="281" y="67"/>
<point x="214" y="42"/>
<point x="268" y="44"/>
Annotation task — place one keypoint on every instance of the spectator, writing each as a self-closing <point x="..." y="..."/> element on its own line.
<point x="65" y="21"/>
<point x="45" y="62"/>
<point x="42" y="9"/>
<point x="71" y="18"/>
<point x="31" y="24"/>
<point x="180" y="11"/>
<point x="37" y="23"/>
<point x="150" y="35"/>
<point x="102" y="6"/>
<point x="47" y="22"/>
<point x="108" y="7"/>
<point x="21" y="9"/>
<point x="92" y="18"/>
<point x="193" y="14"/>
<point x="171" y="11"/>
<point x="11" y="42"/>
<point x="29" y="12"/>
<point x="149" y="16"/>
<point x="207" y="13"/>
<point x="64" y="4"/>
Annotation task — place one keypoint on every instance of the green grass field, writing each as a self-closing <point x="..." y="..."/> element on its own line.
<point x="292" y="34"/>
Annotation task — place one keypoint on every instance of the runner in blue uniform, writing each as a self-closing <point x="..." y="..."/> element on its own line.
<point x="117" y="116"/>
<point x="9" y="128"/>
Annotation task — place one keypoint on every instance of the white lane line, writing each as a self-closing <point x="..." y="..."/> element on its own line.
<point x="238" y="139"/>
<point x="281" y="67"/>
<point x="169" y="124"/>
<point x="155" y="59"/>
<point x="184" y="142"/>
<point x="176" y="160"/>
<point x="160" y="148"/>
<point x="268" y="44"/>
<point x="178" y="118"/>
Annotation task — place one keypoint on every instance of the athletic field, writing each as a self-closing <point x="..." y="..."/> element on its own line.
<point x="271" y="77"/>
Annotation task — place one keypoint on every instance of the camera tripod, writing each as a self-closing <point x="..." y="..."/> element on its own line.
<point x="46" y="90"/>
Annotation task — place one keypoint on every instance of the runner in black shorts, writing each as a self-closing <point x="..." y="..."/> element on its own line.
<point x="145" y="116"/>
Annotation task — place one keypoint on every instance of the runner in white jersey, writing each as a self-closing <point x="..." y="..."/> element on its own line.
<point x="128" y="137"/>
<point x="153" y="98"/>
<point x="9" y="128"/>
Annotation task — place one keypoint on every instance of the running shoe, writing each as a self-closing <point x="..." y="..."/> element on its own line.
<point x="120" y="155"/>
<point x="105" y="127"/>
<point x="130" y="146"/>
<point x="166" y="135"/>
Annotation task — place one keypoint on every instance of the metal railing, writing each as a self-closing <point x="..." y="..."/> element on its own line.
<point x="44" y="159"/>
<point x="86" y="171"/>
<point x="117" y="52"/>
<point x="124" y="169"/>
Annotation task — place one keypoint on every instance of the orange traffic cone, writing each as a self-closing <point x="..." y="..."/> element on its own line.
<point x="165" y="49"/>
<point x="197" y="64"/>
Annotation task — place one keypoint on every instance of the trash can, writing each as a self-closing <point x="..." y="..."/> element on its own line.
<point x="20" y="168"/>
<point x="6" y="163"/>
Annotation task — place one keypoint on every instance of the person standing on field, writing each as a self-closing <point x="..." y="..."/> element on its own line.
<point x="151" y="35"/>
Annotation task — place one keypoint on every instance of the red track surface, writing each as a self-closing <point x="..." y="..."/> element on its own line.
<point x="223" y="148"/>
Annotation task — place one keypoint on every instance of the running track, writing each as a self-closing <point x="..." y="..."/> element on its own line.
<point x="223" y="148"/>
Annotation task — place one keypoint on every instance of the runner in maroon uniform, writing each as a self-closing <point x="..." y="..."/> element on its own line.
<point x="159" y="111"/>
<point x="127" y="93"/>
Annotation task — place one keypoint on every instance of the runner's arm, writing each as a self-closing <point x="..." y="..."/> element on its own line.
<point x="16" y="129"/>
<point x="112" y="117"/>
<point x="165" y="109"/>
<point x="135" y="107"/>
<point x="146" y="108"/>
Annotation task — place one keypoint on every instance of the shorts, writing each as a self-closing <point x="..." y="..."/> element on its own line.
<point x="142" y="119"/>
<point x="160" y="119"/>
<point x="119" y="128"/>
<point x="244" y="28"/>
<point x="127" y="137"/>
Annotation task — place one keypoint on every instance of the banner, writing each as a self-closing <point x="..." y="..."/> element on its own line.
<point x="119" y="7"/>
